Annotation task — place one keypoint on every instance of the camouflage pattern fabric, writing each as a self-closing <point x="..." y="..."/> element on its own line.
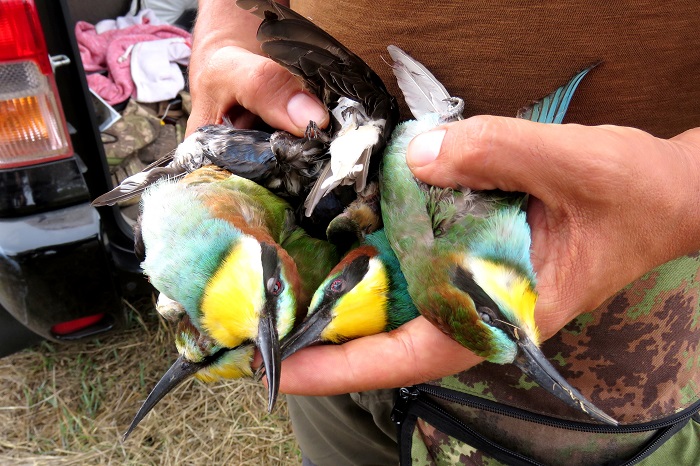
<point x="166" y="141"/>
<point x="636" y="357"/>
<point x="137" y="128"/>
<point x="432" y="447"/>
<point x="140" y="137"/>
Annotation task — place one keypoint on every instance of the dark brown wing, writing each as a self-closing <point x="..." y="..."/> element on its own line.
<point x="327" y="67"/>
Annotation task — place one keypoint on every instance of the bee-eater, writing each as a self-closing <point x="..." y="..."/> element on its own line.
<point x="362" y="112"/>
<point x="200" y="357"/>
<point x="364" y="294"/>
<point x="466" y="254"/>
<point x="229" y="253"/>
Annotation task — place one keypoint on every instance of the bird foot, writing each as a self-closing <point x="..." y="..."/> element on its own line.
<point x="169" y="309"/>
<point x="454" y="110"/>
<point x="314" y="132"/>
<point x="350" y="112"/>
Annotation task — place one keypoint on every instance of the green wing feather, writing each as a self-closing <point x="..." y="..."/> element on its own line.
<point x="408" y="225"/>
<point x="314" y="259"/>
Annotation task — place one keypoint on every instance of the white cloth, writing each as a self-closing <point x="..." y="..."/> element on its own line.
<point x="167" y="10"/>
<point x="154" y="68"/>
<point x="122" y="22"/>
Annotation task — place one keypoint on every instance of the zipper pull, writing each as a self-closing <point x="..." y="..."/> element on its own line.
<point x="400" y="409"/>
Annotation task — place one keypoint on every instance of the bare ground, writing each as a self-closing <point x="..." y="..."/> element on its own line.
<point x="69" y="404"/>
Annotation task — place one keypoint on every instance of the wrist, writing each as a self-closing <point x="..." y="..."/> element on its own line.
<point x="681" y="188"/>
<point x="221" y="23"/>
<point x="686" y="182"/>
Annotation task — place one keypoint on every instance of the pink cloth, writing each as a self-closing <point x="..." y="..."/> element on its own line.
<point x="111" y="51"/>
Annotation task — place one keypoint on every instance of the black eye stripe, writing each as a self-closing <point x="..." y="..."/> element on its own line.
<point x="464" y="280"/>
<point x="353" y="273"/>
<point x="271" y="269"/>
<point x="269" y="258"/>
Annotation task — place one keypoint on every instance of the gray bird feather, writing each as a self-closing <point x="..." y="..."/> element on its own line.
<point x="422" y="92"/>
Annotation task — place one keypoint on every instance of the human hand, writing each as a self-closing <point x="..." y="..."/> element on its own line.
<point x="229" y="77"/>
<point x="608" y="204"/>
<point x="413" y="353"/>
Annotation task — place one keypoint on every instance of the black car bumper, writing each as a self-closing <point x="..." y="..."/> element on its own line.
<point x="56" y="274"/>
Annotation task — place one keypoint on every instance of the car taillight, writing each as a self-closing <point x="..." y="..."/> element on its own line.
<point x="32" y="125"/>
<point x="73" y="326"/>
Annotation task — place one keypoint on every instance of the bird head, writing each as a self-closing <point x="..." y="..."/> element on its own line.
<point x="365" y="294"/>
<point x="200" y="357"/>
<point x="353" y="301"/>
<point x="212" y="361"/>
<point x="237" y="286"/>
<point x="252" y="298"/>
<point x="501" y="298"/>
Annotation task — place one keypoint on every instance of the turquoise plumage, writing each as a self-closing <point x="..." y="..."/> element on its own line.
<point x="400" y="306"/>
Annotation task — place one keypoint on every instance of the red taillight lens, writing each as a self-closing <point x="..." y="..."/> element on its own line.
<point x="32" y="126"/>
<point x="21" y="36"/>
<point x="66" y="328"/>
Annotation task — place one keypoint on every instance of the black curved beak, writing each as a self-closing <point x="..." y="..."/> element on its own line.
<point x="178" y="372"/>
<point x="532" y="361"/>
<point x="307" y="334"/>
<point x="269" y="346"/>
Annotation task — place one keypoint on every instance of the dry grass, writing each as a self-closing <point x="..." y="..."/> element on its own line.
<point x="70" y="404"/>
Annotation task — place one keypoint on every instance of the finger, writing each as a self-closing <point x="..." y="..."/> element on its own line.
<point x="416" y="352"/>
<point x="486" y="152"/>
<point x="241" y="118"/>
<point x="235" y="76"/>
<point x="203" y="112"/>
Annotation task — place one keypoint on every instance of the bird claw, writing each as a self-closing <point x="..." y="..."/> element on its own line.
<point x="454" y="110"/>
<point x="349" y="112"/>
<point x="169" y="309"/>
<point x="314" y="132"/>
<point x="259" y="374"/>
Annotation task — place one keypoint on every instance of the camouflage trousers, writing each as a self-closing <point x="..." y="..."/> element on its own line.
<point x="344" y="431"/>
<point x="637" y="357"/>
<point x="431" y="436"/>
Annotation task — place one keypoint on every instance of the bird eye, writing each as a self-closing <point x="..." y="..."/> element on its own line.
<point x="337" y="285"/>
<point x="486" y="314"/>
<point x="275" y="286"/>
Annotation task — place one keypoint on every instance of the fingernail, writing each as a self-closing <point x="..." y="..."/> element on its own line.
<point x="303" y="108"/>
<point x="425" y="148"/>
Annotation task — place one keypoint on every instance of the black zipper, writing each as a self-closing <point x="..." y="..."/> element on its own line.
<point x="400" y="409"/>
<point x="410" y="403"/>
<point x="665" y="434"/>
<point x="450" y="425"/>
<point x="487" y="405"/>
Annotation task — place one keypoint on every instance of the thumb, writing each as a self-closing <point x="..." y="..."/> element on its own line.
<point x="236" y="77"/>
<point x="487" y="152"/>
